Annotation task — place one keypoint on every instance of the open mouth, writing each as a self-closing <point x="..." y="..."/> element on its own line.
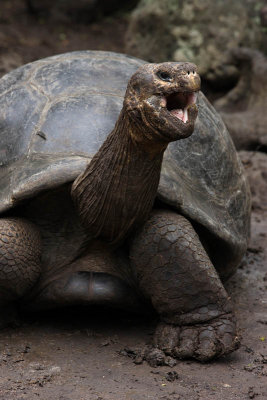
<point x="177" y="104"/>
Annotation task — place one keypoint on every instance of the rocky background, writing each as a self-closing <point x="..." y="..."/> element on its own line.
<point x="200" y="31"/>
<point x="93" y="356"/>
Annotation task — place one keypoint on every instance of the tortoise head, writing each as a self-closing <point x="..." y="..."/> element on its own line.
<point x="161" y="101"/>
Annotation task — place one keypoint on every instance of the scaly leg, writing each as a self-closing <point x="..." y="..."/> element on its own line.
<point x="175" y="272"/>
<point x="20" y="266"/>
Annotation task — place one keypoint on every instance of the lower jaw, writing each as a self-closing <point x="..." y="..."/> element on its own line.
<point x="181" y="114"/>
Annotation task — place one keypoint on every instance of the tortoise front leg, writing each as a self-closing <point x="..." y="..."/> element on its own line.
<point x="175" y="272"/>
<point x="20" y="252"/>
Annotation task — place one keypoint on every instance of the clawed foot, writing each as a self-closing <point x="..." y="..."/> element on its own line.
<point x="202" y="342"/>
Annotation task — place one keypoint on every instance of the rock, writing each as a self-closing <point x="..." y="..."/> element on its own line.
<point x="170" y="361"/>
<point x="255" y="164"/>
<point x="155" y="357"/>
<point x="243" y="109"/>
<point x="196" y="31"/>
<point x="171" y="376"/>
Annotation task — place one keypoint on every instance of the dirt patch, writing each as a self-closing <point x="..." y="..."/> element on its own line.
<point x="91" y="357"/>
<point x="25" y="38"/>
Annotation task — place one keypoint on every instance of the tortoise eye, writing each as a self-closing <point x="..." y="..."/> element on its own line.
<point x="164" y="76"/>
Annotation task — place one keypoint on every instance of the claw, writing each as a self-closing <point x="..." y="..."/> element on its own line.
<point x="207" y="348"/>
<point x="186" y="347"/>
<point x="166" y="337"/>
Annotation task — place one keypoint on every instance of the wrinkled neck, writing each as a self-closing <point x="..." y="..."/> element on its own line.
<point x="116" y="192"/>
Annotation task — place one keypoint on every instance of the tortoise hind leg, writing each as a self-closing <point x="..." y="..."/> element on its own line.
<point x="20" y="265"/>
<point x="175" y="272"/>
<point x="20" y="252"/>
<point x="96" y="278"/>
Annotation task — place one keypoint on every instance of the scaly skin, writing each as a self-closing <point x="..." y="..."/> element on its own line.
<point x="175" y="272"/>
<point x="20" y="252"/>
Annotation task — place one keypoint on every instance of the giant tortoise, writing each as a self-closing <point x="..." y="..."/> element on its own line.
<point x="135" y="227"/>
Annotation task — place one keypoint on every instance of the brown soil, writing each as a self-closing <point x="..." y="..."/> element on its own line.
<point x="25" y="38"/>
<point x="85" y="356"/>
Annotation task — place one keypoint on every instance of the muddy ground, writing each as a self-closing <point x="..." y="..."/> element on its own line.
<point x="89" y="356"/>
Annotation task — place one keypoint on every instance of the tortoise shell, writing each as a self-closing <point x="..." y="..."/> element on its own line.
<point x="56" y="112"/>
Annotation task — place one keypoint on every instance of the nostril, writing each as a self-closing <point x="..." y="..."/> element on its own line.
<point x="191" y="72"/>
